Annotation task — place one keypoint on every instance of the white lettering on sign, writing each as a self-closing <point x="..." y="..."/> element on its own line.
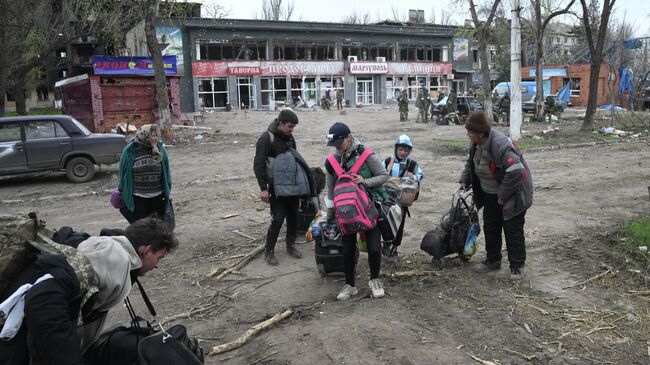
<point x="266" y="68"/>
<point x="368" y="68"/>
<point x="419" y="68"/>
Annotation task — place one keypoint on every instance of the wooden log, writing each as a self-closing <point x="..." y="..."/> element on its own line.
<point x="221" y="273"/>
<point x="250" y="333"/>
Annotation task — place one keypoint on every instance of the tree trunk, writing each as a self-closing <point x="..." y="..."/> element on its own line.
<point x="3" y="51"/>
<point x="162" y="95"/>
<point x="19" y="93"/>
<point x="592" y="99"/>
<point x="539" y="73"/>
<point x="485" y="73"/>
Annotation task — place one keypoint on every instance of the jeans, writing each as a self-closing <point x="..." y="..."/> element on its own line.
<point x="373" y="242"/>
<point x="281" y="209"/>
<point x="513" y="229"/>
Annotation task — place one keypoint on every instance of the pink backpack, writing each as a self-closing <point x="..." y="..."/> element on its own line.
<point x="355" y="210"/>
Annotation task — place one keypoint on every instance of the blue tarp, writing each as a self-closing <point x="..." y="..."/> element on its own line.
<point x="627" y="80"/>
<point x="565" y="93"/>
<point x="609" y="107"/>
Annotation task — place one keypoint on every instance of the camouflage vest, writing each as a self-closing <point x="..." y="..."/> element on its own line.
<point x="24" y="235"/>
<point x="379" y="193"/>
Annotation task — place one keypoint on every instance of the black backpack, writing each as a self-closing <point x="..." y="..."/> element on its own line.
<point x="450" y="237"/>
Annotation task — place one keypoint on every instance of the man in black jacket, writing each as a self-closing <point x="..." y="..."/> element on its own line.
<point x="277" y="139"/>
<point x="66" y="296"/>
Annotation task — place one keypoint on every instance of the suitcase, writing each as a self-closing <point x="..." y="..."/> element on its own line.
<point x="328" y="250"/>
<point x="306" y="213"/>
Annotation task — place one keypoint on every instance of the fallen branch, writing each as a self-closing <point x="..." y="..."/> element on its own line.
<point x="598" y="329"/>
<point x="244" y="235"/>
<point x="528" y="358"/>
<point x="250" y="333"/>
<point x="609" y="270"/>
<point x="409" y="274"/>
<point x="221" y="273"/>
<point x="484" y="362"/>
<point x="264" y="357"/>
<point x="230" y="216"/>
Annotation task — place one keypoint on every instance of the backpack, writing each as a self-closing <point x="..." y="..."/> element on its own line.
<point x="355" y="211"/>
<point x="16" y="251"/>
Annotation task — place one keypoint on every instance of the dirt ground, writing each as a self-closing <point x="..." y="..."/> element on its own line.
<point x="450" y="316"/>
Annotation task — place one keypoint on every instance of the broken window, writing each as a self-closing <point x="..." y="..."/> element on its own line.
<point x="280" y="88"/>
<point x="304" y="51"/>
<point x="420" y="53"/>
<point x="231" y="50"/>
<point x="213" y="92"/>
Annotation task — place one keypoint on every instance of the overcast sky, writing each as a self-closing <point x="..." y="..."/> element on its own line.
<point x="637" y="11"/>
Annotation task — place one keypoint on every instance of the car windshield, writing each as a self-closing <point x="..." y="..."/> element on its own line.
<point x="475" y="103"/>
<point x="81" y="127"/>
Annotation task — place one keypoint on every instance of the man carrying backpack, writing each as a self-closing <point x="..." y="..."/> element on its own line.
<point x="363" y="181"/>
<point x="276" y="157"/>
<point x="58" y="304"/>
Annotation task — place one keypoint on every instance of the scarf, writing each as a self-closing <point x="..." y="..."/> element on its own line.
<point x="144" y="137"/>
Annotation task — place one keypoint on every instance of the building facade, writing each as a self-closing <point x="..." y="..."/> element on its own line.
<point x="259" y="65"/>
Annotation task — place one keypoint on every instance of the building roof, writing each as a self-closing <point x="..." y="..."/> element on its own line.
<point x="445" y="31"/>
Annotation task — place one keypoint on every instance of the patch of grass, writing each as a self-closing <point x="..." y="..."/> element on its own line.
<point x="36" y="112"/>
<point x="630" y="247"/>
<point x="452" y="144"/>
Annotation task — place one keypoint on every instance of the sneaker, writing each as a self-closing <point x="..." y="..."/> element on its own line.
<point x="376" y="288"/>
<point x="392" y="256"/>
<point x="270" y="259"/>
<point x="385" y="250"/>
<point x="517" y="273"/>
<point x="293" y="252"/>
<point x="347" y="292"/>
<point x="487" y="266"/>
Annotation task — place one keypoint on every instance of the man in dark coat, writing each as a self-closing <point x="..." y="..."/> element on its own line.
<point x="277" y="139"/>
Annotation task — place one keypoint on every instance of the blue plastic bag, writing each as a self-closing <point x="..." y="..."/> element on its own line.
<point x="471" y="243"/>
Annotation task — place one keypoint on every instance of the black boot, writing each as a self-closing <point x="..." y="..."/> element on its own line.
<point x="269" y="257"/>
<point x="293" y="251"/>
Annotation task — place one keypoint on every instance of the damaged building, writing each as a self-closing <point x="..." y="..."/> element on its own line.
<point x="260" y="65"/>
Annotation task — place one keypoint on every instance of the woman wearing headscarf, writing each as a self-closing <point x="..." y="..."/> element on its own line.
<point x="145" y="179"/>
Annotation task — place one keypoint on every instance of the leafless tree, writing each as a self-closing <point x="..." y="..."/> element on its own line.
<point x="595" y="25"/>
<point x="540" y="22"/>
<point x="277" y="10"/>
<point x="443" y="17"/>
<point x="357" y="18"/>
<point x="482" y="30"/>
<point x="396" y="15"/>
<point x="214" y="10"/>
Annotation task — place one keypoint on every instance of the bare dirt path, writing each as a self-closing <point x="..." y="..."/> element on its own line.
<point x="582" y="196"/>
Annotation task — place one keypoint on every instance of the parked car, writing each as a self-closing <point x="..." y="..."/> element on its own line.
<point x="53" y="143"/>
<point x="528" y="106"/>
<point x="464" y="106"/>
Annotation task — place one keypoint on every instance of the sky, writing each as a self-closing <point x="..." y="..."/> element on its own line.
<point x="637" y="12"/>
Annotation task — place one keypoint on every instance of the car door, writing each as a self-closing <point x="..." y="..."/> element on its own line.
<point x="12" y="148"/>
<point x="45" y="144"/>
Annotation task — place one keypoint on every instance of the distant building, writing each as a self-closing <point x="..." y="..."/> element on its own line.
<point x="258" y="64"/>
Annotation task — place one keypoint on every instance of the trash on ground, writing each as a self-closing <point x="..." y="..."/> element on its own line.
<point x="612" y="131"/>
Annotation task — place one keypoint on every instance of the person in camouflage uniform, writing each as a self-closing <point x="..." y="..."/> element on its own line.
<point x="67" y="292"/>
<point x="339" y="99"/>
<point x="422" y="101"/>
<point x="403" y="103"/>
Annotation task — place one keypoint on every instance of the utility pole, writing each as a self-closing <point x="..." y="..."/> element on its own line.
<point x="515" y="72"/>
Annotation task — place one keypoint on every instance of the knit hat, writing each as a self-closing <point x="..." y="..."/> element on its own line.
<point x="477" y="123"/>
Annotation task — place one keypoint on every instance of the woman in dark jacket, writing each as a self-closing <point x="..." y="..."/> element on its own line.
<point x="145" y="181"/>
<point x="502" y="184"/>
<point x="373" y="175"/>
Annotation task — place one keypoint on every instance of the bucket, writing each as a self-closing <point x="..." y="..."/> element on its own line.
<point x="410" y="190"/>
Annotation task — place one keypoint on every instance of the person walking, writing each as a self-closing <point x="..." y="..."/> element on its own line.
<point x="372" y="175"/>
<point x="275" y="141"/>
<point x="503" y="185"/>
<point x="401" y="165"/>
<point x="421" y="103"/>
<point x="145" y="179"/>
<point x="67" y="293"/>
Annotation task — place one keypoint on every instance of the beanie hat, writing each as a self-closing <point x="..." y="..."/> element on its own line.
<point x="477" y="123"/>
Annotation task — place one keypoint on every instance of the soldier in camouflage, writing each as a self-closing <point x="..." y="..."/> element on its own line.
<point x="403" y="103"/>
<point x="67" y="292"/>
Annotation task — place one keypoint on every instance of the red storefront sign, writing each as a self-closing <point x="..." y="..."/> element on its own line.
<point x="368" y="67"/>
<point x="243" y="71"/>
<point x="419" y="68"/>
<point x="267" y="68"/>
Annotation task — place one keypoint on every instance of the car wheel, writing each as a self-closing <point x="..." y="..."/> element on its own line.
<point x="80" y="169"/>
